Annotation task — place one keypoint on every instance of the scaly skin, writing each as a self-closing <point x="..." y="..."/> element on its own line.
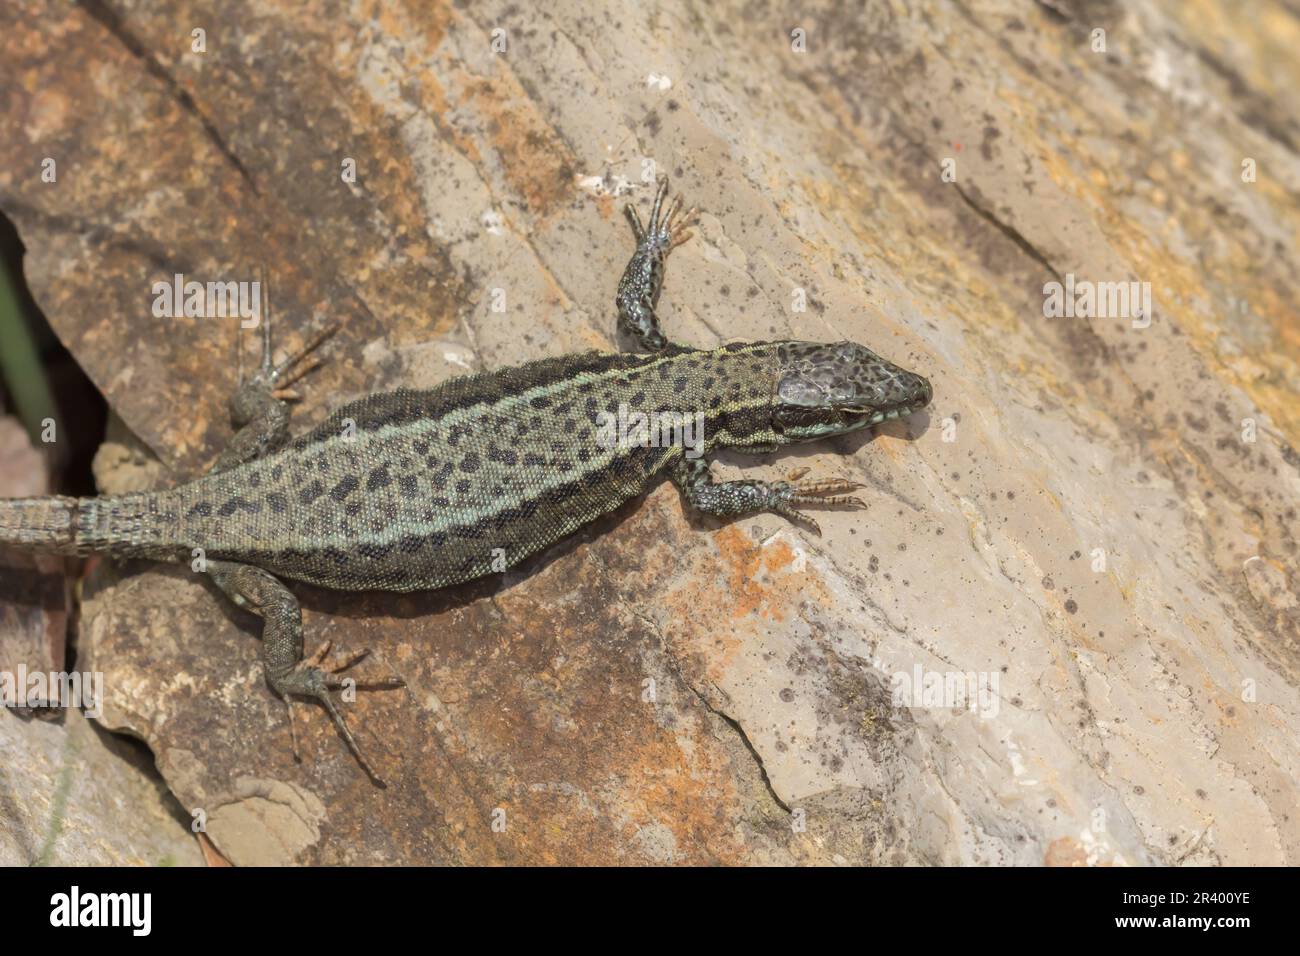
<point x="415" y="490"/>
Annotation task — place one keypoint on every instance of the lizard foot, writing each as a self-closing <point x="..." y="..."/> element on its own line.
<point x="727" y="499"/>
<point x="315" y="676"/>
<point x="812" y="491"/>
<point x="275" y="380"/>
<point x="668" y="231"/>
<point x="259" y="408"/>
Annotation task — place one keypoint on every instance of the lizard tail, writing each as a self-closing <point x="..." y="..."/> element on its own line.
<point x="124" y="525"/>
<point x="48" y="524"/>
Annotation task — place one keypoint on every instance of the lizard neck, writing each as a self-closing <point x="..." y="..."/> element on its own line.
<point x="736" y="392"/>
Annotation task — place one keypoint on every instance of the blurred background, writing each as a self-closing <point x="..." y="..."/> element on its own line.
<point x="41" y="382"/>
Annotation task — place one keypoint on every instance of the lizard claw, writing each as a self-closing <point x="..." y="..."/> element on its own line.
<point x="813" y="491"/>
<point x="257" y="397"/>
<point x="667" y="231"/>
<point x="797" y="517"/>
<point x="315" y="676"/>
<point x="290" y="364"/>
<point x="678" y="239"/>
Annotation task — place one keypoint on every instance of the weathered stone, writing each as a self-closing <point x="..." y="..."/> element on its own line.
<point x="1098" y="514"/>
<point x="69" y="794"/>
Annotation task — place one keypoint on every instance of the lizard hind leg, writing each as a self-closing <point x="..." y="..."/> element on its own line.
<point x="287" y="671"/>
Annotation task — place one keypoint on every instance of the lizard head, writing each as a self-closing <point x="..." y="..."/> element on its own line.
<point x="833" y="389"/>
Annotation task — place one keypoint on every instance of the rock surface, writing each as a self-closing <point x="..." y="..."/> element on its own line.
<point x="69" y="794"/>
<point x="1096" y="523"/>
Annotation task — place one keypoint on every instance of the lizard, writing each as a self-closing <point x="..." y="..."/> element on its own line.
<point x="423" y="489"/>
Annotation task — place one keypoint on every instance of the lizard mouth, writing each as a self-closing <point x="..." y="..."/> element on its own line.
<point x="866" y="417"/>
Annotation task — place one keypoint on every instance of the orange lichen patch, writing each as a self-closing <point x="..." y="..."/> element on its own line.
<point x="439" y="108"/>
<point x="432" y="20"/>
<point x="779" y="554"/>
<point x="1065" y="851"/>
<point x="689" y="789"/>
<point x="743" y="564"/>
<point x="558" y="732"/>
<point x="606" y="206"/>
<point x="582" y="801"/>
<point x="1233" y="273"/>
<point x="591" y="337"/>
<point x="394" y="180"/>
<point x="535" y="160"/>
<point x="461" y="105"/>
<point x="751" y="587"/>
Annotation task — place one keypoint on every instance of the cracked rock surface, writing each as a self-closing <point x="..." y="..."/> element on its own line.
<point x="1093" y="529"/>
<point x="69" y="794"/>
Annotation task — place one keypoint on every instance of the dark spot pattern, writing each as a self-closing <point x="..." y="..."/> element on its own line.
<point x="347" y="484"/>
<point x="439" y="479"/>
<point x="404" y="533"/>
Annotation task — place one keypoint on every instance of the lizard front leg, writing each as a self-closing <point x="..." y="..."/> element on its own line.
<point x="259" y="408"/>
<point x="638" y="290"/>
<point x="287" y="671"/>
<point x="729" y="499"/>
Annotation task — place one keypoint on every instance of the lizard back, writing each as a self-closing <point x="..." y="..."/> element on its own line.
<point x="412" y="490"/>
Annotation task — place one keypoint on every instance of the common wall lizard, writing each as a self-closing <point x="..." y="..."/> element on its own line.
<point x="413" y="490"/>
